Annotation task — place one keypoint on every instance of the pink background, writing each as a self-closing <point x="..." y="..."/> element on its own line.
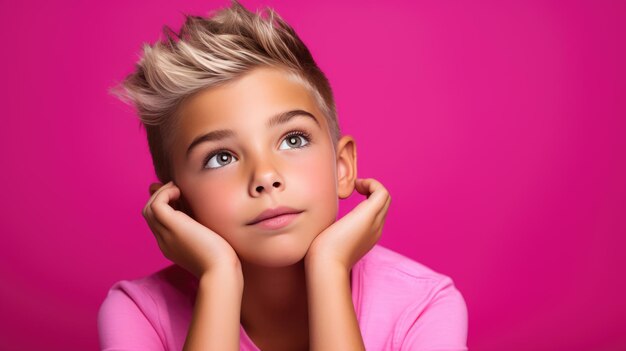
<point x="498" y="128"/>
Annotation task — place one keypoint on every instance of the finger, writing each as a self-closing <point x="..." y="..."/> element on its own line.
<point x="368" y="186"/>
<point x="379" y="221"/>
<point x="380" y="217"/>
<point x="157" y="228"/>
<point x="374" y="203"/>
<point x="363" y="186"/>
<point x="161" y="209"/>
<point x="376" y="193"/>
<point x="380" y="197"/>
<point x="158" y="192"/>
<point x="160" y="234"/>
<point x="155" y="194"/>
<point x="154" y="187"/>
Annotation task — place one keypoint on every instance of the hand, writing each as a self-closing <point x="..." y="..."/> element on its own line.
<point x="348" y="239"/>
<point x="183" y="240"/>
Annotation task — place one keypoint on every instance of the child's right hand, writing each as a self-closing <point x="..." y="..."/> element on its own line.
<point x="183" y="240"/>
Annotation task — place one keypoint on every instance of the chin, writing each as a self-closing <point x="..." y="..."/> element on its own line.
<point x="280" y="252"/>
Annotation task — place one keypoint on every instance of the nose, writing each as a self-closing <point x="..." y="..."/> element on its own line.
<point x="266" y="181"/>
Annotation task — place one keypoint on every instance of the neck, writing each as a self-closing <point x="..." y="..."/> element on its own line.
<point x="273" y="295"/>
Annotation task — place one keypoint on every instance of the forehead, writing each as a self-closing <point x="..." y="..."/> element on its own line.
<point x="245" y="102"/>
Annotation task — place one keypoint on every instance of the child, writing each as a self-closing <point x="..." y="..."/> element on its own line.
<point x="243" y="133"/>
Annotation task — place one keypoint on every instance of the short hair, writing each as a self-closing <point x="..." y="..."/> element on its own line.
<point x="211" y="51"/>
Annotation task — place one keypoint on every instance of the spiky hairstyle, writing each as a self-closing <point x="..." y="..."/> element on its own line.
<point x="208" y="52"/>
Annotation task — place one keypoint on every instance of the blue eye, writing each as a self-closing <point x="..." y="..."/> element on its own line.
<point x="219" y="159"/>
<point x="294" y="141"/>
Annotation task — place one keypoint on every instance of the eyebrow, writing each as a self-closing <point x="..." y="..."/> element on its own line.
<point x="280" y="118"/>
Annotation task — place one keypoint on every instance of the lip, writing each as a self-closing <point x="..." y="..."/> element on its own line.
<point x="277" y="222"/>
<point x="278" y="213"/>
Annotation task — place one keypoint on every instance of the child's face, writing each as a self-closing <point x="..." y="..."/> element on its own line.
<point x="259" y="167"/>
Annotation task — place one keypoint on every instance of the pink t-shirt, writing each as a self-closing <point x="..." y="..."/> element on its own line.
<point x="400" y="305"/>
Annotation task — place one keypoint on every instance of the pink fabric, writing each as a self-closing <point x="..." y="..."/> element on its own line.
<point x="400" y="305"/>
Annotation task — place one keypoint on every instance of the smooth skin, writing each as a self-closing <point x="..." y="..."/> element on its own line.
<point x="211" y="259"/>
<point x="289" y="288"/>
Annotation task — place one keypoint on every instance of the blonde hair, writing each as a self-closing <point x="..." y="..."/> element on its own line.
<point x="211" y="51"/>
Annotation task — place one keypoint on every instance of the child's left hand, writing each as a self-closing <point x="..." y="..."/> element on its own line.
<point x="348" y="239"/>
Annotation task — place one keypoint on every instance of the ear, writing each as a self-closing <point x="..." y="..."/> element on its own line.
<point x="346" y="166"/>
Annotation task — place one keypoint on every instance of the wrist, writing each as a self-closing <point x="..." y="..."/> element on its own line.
<point x="317" y="263"/>
<point x="223" y="274"/>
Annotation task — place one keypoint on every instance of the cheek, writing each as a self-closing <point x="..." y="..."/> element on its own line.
<point x="214" y="206"/>
<point x="317" y="184"/>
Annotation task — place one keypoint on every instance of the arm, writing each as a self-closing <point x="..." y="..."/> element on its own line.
<point x="332" y="320"/>
<point x="331" y="256"/>
<point x="215" y="323"/>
